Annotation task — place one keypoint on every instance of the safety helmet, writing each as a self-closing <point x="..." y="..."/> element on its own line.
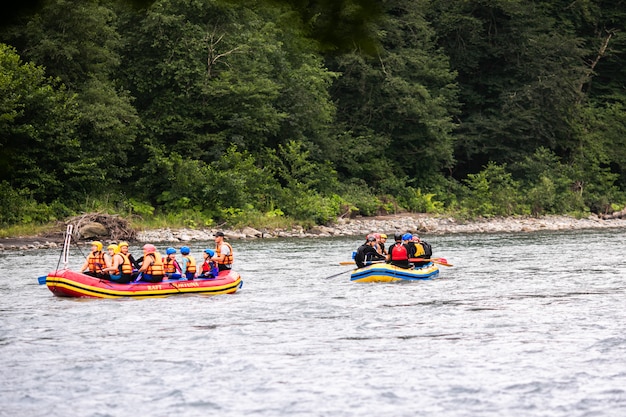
<point x="397" y="237"/>
<point x="170" y="251"/>
<point x="184" y="250"/>
<point x="371" y="238"/>
<point x="415" y="238"/>
<point x="209" y="252"/>
<point x="122" y="243"/>
<point x="149" y="248"/>
<point x="383" y="236"/>
<point x="115" y="248"/>
<point x="407" y="236"/>
<point x="97" y="243"/>
<point x="377" y="236"/>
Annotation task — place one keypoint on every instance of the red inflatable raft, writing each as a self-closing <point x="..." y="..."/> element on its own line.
<point x="66" y="283"/>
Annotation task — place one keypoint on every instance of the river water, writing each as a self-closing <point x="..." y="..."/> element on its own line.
<point x="521" y="325"/>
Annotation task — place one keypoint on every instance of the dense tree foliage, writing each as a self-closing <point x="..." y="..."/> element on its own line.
<point x="217" y="110"/>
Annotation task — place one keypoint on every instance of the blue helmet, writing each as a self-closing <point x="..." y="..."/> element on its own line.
<point x="209" y="252"/>
<point x="184" y="250"/>
<point x="406" y="236"/>
<point x="170" y="251"/>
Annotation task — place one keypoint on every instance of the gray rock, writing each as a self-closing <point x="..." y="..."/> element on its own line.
<point x="93" y="229"/>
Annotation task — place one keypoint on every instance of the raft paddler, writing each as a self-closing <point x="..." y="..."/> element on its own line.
<point x="152" y="266"/>
<point x="95" y="261"/>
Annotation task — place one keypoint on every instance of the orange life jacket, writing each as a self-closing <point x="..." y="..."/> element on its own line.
<point x="169" y="265"/>
<point x="157" y="266"/>
<point x="228" y="259"/>
<point x="191" y="264"/>
<point x="126" y="267"/>
<point x="96" y="261"/>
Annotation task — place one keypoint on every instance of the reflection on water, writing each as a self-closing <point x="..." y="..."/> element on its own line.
<point x="523" y="324"/>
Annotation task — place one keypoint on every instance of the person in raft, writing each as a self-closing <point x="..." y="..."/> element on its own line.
<point x="188" y="264"/>
<point x="223" y="253"/>
<point x="171" y="267"/>
<point x="152" y="266"/>
<point x="366" y="253"/>
<point x="121" y="268"/>
<point x="129" y="265"/>
<point x="124" y="251"/>
<point x="423" y="250"/>
<point x="108" y="258"/>
<point x="381" y="241"/>
<point x="95" y="261"/>
<point x="413" y="249"/>
<point x="209" y="268"/>
<point x="399" y="253"/>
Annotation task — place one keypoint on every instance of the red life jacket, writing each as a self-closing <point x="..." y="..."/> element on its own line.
<point x="399" y="253"/>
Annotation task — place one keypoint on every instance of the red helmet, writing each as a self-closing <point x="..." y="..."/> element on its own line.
<point x="149" y="248"/>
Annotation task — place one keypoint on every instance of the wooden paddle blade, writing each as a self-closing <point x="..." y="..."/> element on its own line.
<point x="346" y="263"/>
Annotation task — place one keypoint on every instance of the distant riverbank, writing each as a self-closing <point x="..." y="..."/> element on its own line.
<point x="415" y="223"/>
<point x="422" y="224"/>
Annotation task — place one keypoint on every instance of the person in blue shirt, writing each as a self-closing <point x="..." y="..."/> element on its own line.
<point x="187" y="264"/>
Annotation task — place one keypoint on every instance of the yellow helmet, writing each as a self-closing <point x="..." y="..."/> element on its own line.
<point x="97" y="244"/>
<point x="122" y="243"/>
<point x="115" y="248"/>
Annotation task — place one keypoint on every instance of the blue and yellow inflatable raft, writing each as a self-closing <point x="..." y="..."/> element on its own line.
<point x="383" y="272"/>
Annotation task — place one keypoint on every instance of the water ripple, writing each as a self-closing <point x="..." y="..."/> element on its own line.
<point x="499" y="334"/>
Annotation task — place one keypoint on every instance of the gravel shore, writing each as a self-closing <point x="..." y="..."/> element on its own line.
<point x="422" y="224"/>
<point x="415" y="223"/>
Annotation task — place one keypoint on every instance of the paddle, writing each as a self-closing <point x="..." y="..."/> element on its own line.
<point x="336" y="275"/>
<point x="353" y="263"/>
<point x="440" y="261"/>
<point x="42" y="279"/>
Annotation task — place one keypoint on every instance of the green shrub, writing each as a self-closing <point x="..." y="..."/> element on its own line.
<point x="359" y="199"/>
<point x="493" y="192"/>
<point x="18" y="207"/>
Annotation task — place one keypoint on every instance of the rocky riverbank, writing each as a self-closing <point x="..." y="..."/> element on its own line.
<point x="416" y="223"/>
<point x="424" y="225"/>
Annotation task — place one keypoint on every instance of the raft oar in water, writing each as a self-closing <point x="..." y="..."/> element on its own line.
<point x="336" y="275"/>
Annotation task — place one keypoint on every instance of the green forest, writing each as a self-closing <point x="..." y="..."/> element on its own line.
<point x="259" y="112"/>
